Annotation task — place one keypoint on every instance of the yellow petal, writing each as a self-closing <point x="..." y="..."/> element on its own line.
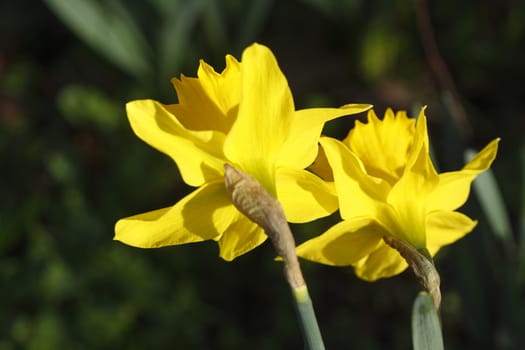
<point x="304" y="196"/>
<point x="301" y="147"/>
<point x="344" y="243"/>
<point x="381" y="263"/>
<point x="383" y="145"/>
<point x="210" y="101"/>
<point x="408" y="197"/>
<point x="454" y="187"/>
<point x="359" y="194"/>
<point x="410" y="194"/>
<point x="265" y="114"/>
<point x="483" y="160"/>
<point x="446" y="227"/>
<point x="241" y="236"/>
<point x="201" y="215"/>
<point x="198" y="154"/>
<point x="419" y="160"/>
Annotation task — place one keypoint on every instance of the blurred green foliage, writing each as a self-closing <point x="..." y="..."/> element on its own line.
<point x="71" y="167"/>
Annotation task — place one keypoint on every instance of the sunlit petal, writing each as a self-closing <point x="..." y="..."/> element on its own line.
<point x="304" y="196"/>
<point x="300" y="149"/>
<point x="454" y="187"/>
<point x="359" y="194"/>
<point x="383" y="145"/>
<point x="241" y="236"/>
<point x="225" y="88"/>
<point x="418" y="158"/>
<point x="381" y="263"/>
<point x="201" y="215"/>
<point x="198" y="154"/>
<point x="344" y="243"/>
<point x="265" y="116"/>
<point x="210" y="101"/>
<point x="446" y="227"/>
<point x="408" y="198"/>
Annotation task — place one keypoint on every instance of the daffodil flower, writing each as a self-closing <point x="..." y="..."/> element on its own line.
<point x="388" y="187"/>
<point x="244" y="117"/>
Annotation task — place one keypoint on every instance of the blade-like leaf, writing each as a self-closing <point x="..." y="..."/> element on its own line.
<point x="426" y="329"/>
<point x="109" y="29"/>
<point x="174" y="35"/>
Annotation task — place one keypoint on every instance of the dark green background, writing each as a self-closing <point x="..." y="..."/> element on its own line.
<point x="70" y="167"/>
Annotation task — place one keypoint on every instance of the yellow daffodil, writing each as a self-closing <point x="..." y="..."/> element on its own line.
<point x="388" y="187"/>
<point x="244" y="117"/>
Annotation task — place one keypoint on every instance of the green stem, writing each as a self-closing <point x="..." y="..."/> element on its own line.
<point x="309" y="327"/>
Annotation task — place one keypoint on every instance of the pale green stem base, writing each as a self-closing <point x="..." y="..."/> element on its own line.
<point x="310" y="328"/>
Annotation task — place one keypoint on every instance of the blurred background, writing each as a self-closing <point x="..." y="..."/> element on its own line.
<point x="71" y="167"/>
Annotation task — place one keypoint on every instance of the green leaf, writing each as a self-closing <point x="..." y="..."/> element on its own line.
<point x="175" y="35"/>
<point x="108" y="28"/>
<point x="426" y="329"/>
<point x="82" y="104"/>
<point x="521" y="227"/>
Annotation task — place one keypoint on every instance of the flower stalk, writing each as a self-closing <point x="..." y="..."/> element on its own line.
<point x="252" y="199"/>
